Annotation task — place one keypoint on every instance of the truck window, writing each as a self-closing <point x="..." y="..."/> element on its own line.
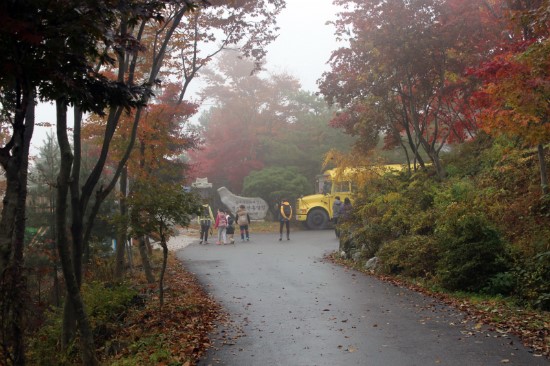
<point x="326" y="187"/>
<point x="321" y="182"/>
<point x="341" y="187"/>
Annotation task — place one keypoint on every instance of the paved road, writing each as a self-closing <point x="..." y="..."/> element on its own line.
<point x="289" y="307"/>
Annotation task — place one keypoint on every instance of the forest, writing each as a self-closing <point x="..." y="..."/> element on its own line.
<point x="457" y="91"/>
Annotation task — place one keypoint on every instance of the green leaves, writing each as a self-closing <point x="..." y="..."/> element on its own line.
<point x="275" y="183"/>
<point x="156" y="207"/>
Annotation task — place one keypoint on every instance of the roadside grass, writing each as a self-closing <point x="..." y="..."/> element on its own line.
<point x="130" y="328"/>
<point x="500" y="314"/>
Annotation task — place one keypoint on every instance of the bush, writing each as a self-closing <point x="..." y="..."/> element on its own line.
<point x="370" y="238"/>
<point x="275" y="183"/>
<point x="533" y="285"/>
<point x="412" y="256"/>
<point x="45" y="346"/>
<point x="501" y="284"/>
<point x="105" y="306"/>
<point x="472" y="251"/>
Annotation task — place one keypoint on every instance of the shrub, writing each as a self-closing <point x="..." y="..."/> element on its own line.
<point x="502" y="284"/>
<point x="45" y="346"/>
<point x="370" y="237"/>
<point x="106" y="307"/>
<point x="472" y="251"/>
<point x="533" y="285"/>
<point x="411" y="256"/>
<point x="274" y="183"/>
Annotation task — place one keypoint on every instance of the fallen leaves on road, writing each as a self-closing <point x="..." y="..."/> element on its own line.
<point x="179" y="334"/>
<point x="531" y="327"/>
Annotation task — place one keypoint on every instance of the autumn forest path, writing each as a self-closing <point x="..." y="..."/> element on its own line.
<point x="288" y="306"/>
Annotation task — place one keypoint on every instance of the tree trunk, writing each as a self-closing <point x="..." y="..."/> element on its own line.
<point x="14" y="159"/>
<point x="18" y="285"/>
<point x="441" y="174"/>
<point x="87" y="350"/>
<point x="69" y="320"/>
<point x="122" y="231"/>
<point x="145" y="261"/>
<point x="77" y="214"/>
<point x="543" y="170"/>
<point x="412" y="144"/>
<point x="163" y="269"/>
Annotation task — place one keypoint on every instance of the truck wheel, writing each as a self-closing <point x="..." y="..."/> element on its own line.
<point x="317" y="219"/>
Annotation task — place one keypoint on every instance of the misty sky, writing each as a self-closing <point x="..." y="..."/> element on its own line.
<point x="305" y="42"/>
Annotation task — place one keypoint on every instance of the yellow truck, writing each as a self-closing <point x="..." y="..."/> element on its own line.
<point x="315" y="210"/>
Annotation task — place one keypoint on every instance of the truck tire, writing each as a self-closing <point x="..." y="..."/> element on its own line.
<point x="317" y="219"/>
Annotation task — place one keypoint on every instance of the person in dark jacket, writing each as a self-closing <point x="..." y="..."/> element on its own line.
<point x="345" y="210"/>
<point x="285" y="214"/>
<point x="336" y="205"/>
<point x="230" y="230"/>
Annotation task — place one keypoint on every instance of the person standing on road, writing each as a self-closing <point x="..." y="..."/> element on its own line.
<point x="243" y="220"/>
<point x="230" y="231"/>
<point x="205" y="219"/>
<point x="336" y="205"/>
<point x="221" y="225"/>
<point x="345" y="210"/>
<point x="285" y="214"/>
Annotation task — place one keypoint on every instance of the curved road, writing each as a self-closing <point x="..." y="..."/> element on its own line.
<point x="289" y="307"/>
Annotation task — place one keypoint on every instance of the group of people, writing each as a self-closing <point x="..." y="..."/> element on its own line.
<point x="224" y="223"/>
<point x="340" y="211"/>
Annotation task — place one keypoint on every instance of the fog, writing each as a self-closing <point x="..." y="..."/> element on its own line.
<point x="305" y="41"/>
<point x="302" y="49"/>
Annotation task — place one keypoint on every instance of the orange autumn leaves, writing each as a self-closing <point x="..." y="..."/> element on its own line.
<point x="516" y="92"/>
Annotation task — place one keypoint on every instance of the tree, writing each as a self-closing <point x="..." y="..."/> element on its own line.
<point x="45" y="52"/>
<point x="158" y="207"/>
<point x="132" y="32"/>
<point x="248" y="111"/>
<point x="401" y="73"/>
<point x="162" y="138"/>
<point x="184" y="46"/>
<point x="515" y="94"/>
<point x="260" y="121"/>
<point x="305" y="141"/>
<point x="275" y="183"/>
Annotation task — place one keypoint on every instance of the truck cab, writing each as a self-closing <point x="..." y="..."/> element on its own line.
<point x="315" y="210"/>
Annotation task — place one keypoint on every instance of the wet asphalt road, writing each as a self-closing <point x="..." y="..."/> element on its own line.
<point x="288" y="306"/>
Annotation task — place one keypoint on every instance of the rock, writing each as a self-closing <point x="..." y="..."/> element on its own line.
<point x="372" y="264"/>
<point x="256" y="207"/>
